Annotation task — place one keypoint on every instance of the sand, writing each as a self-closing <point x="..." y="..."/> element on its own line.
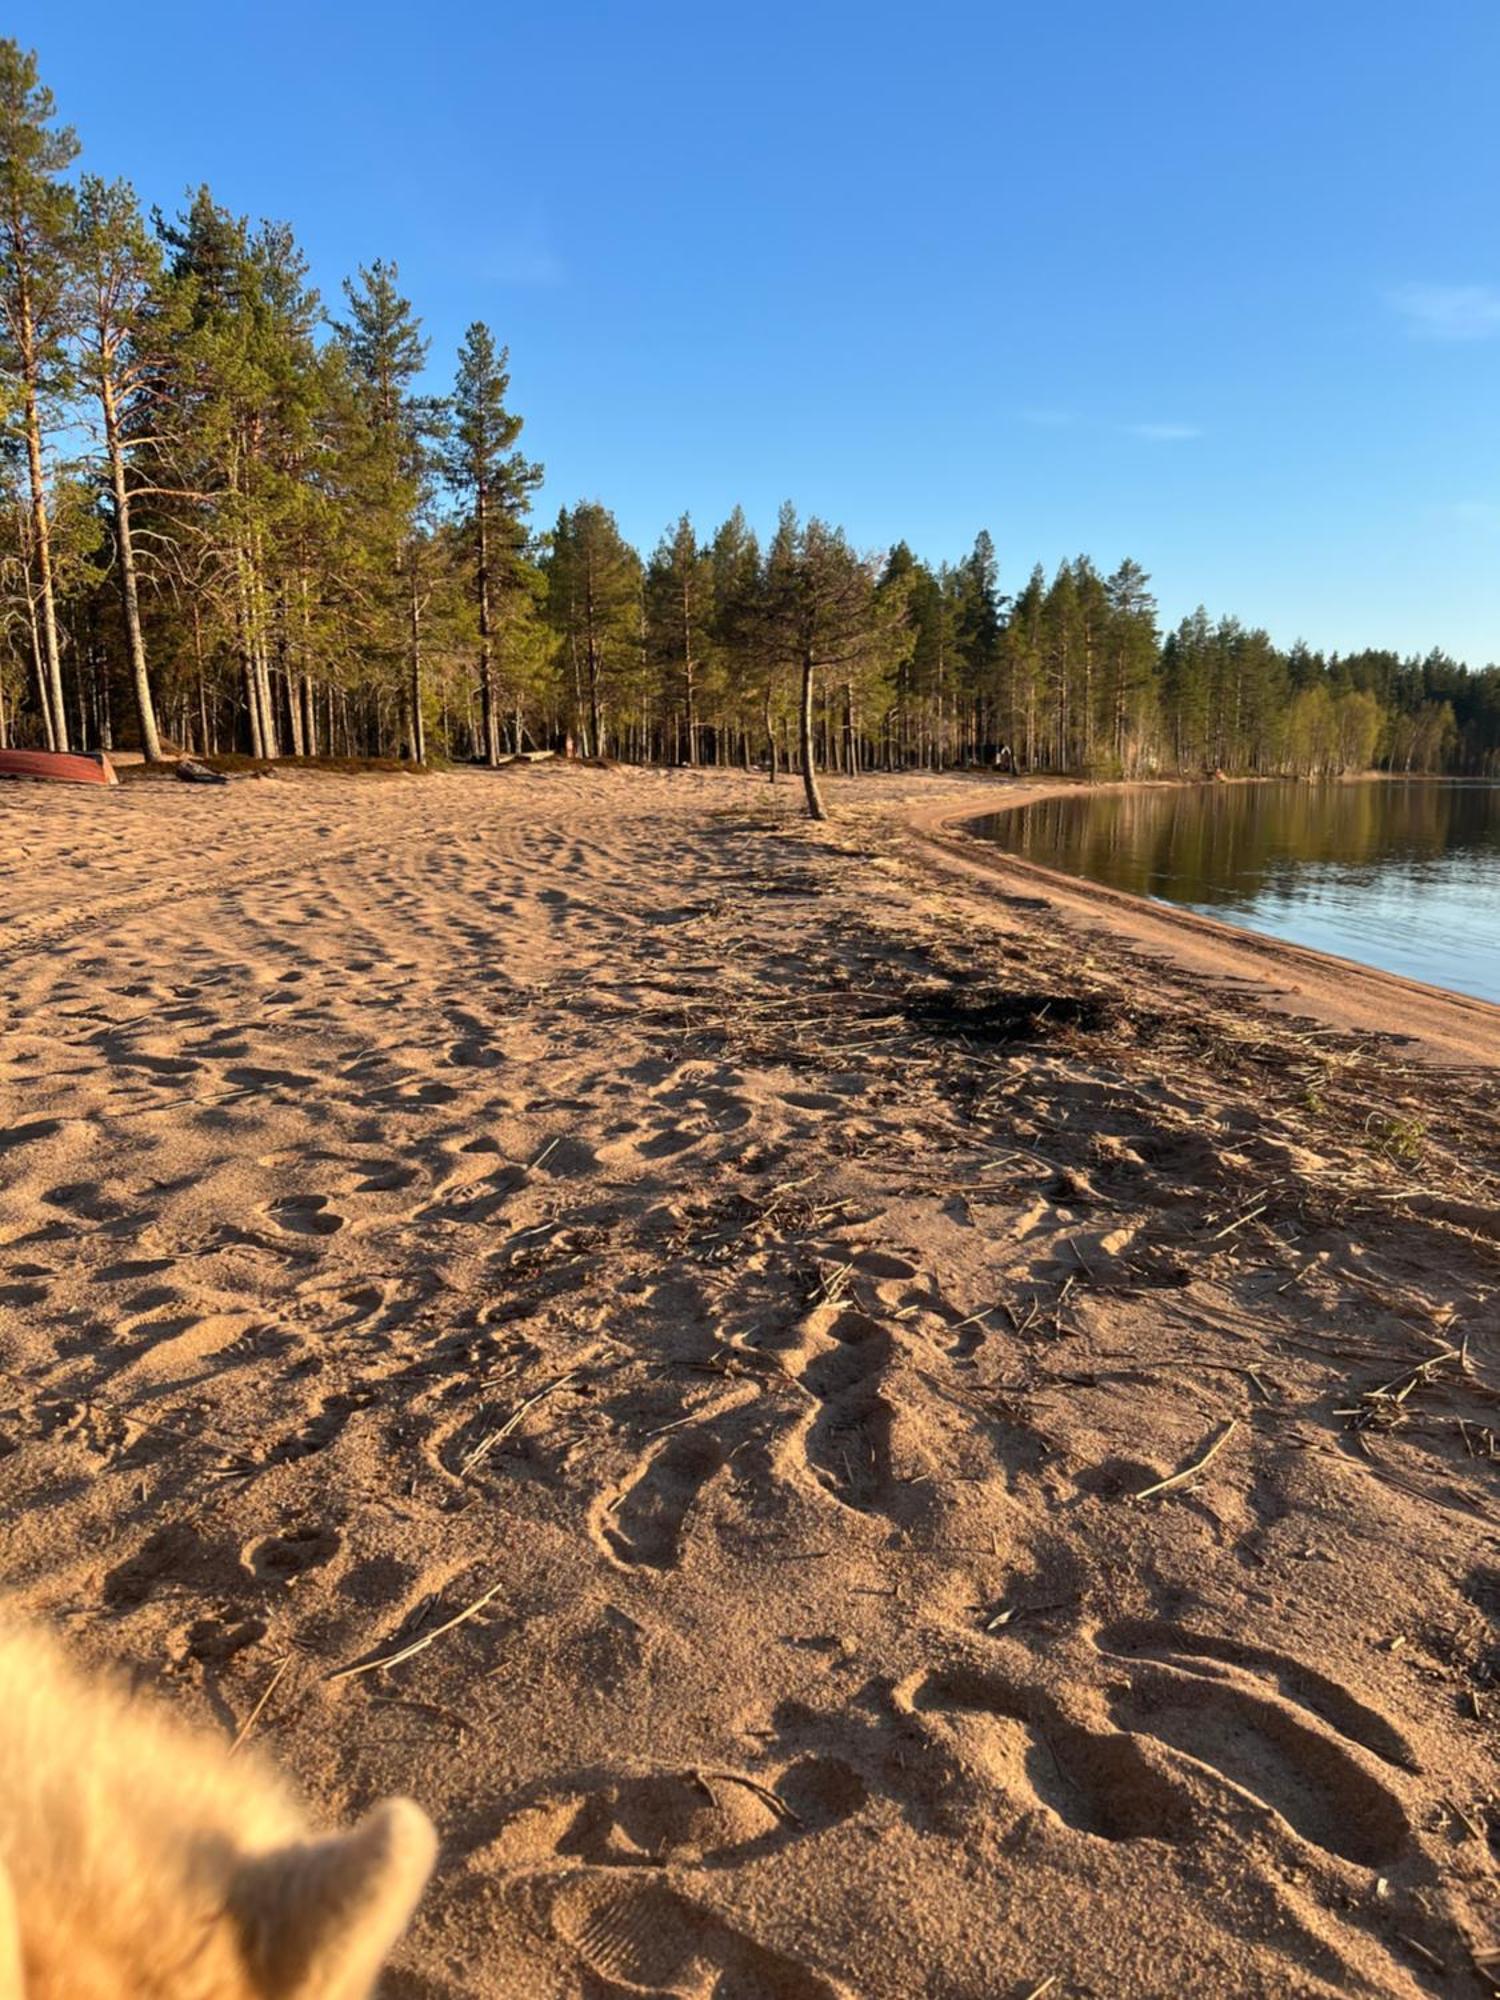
<point x="601" y="1204"/>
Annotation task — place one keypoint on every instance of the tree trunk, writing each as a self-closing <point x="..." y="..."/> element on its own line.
<point x="596" y="726"/>
<point x="41" y="527"/>
<point x="39" y="667"/>
<point x="489" y="708"/>
<point x="129" y="599"/>
<point x="689" y="690"/>
<point x="418" y="722"/>
<point x="815" y="806"/>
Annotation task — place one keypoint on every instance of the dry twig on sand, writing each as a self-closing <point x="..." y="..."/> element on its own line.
<point x="413" y="1646"/>
<point x="774" y="1800"/>
<point x="488" y="1442"/>
<point x="1191" y="1471"/>
<point x="1384" y="1409"/>
<point x="261" y="1705"/>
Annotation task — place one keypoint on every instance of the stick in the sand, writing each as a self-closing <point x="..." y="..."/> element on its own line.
<point x="394" y="1659"/>
<point x="259" y="1709"/>
<point x="774" y="1800"/>
<point x="1197" y="1466"/>
<point x="487" y="1444"/>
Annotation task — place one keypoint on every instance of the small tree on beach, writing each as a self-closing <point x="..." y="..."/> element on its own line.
<point x="820" y="600"/>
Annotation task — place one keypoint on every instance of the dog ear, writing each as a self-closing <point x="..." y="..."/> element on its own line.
<point x="317" y="1919"/>
<point x="12" y="1985"/>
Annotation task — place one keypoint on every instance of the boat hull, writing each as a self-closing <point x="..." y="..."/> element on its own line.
<point x="64" y="767"/>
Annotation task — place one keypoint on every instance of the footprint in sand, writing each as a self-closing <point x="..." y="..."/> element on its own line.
<point x="174" y="1557"/>
<point x="213" y="1642"/>
<point x="1205" y="1653"/>
<point x="305" y="1215"/>
<point x="644" y="1524"/>
<point x="648" y="1938"/>
<point x="705" y="1818"/>
<point x="1199" y="1703"/>
<point x="1209" y="1700"/>
<point x="849" y="1440"/>
<point x="319" y="1432"/>
<point x="1096" y="1781"/>
<point x="475" y="1055"/>
<point x="29" y="1134"/>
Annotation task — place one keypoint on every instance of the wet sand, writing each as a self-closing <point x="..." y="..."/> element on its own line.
<point x="758" y="1273"/>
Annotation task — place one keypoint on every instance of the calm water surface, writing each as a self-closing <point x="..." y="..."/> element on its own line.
<point x="1405" y="876"/>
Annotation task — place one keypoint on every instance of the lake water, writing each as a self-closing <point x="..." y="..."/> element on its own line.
<point x="1405" y="875"/>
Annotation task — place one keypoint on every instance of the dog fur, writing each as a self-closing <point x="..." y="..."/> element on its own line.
<point x="140" y="1861"/>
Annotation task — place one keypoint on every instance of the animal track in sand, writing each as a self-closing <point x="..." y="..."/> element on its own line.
<point x="384" y="1177"/>
<point x="1181" y="1696"/>
<point x="27" y="1135"/>
<point x="644" y="1523"/>
<point x="475" y="1055"/>
<point x="647" y="1938"/>
<point x="320" y="1431"/>
<point x="213" y="1642"/>
<point x="283" y="1558"/>
<point x="251" y="1076"/>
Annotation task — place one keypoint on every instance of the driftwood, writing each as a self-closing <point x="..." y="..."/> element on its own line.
<point x="193" y="773"/>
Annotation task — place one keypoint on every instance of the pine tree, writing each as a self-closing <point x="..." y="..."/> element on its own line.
<point x="594" y="602"/>
<point x="679" y="620"/>
<point x="750" y="683"/>
<point x="494" y="483"/>
<point x="977" y="616"/>
<point x="1133" y="648"/>
<point x="822" y="614"/>
<point x="119" y="326"/>
<point x="35" y="230"/>
<point x="385" y="351"/>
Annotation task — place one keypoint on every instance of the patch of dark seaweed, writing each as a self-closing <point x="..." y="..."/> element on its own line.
<point x="1001" y="1017"/>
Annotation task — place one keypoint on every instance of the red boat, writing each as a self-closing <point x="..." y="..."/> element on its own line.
<point x="91" y="768"/>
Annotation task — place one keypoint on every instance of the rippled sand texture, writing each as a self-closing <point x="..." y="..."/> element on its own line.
<point x="640" y="1251"/>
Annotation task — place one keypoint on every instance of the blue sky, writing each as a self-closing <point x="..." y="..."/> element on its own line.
<point x="1214" y="286"/>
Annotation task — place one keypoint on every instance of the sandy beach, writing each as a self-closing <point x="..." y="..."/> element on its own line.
<point x="919" y="1428"/>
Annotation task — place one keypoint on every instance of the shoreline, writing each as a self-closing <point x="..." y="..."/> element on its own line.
<point x="1287" y="978"/>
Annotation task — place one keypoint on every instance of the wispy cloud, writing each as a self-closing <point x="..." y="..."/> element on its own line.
<point x="1163" y="433"/>
<point x="1450" y="312"/>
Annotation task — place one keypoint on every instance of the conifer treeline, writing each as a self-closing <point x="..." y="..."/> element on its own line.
<point x="234" y="520"/>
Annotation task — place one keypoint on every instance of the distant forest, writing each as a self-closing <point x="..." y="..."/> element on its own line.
<point x="233" y="518"/>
